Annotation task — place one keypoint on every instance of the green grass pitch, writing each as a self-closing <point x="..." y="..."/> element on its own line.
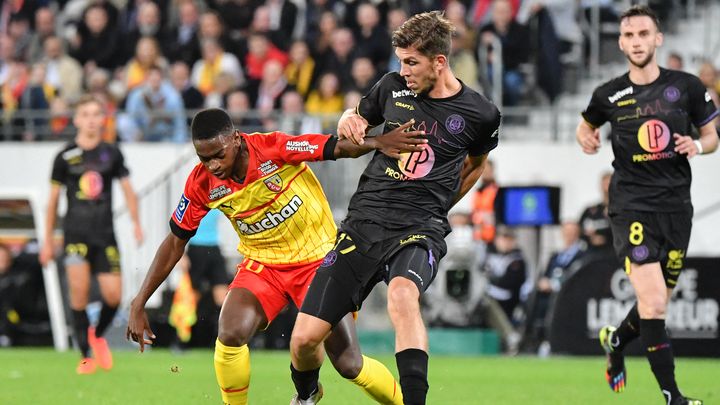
<point x="42" y="376"/>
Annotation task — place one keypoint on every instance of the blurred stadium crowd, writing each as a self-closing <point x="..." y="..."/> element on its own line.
<point x="154" y="62"/>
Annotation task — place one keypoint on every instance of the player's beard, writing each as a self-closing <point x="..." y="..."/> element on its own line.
<point x="430" y="80"/>
<point x="644" y="62"/>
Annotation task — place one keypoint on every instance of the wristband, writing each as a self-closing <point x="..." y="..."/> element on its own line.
<point x="699" y="146"/>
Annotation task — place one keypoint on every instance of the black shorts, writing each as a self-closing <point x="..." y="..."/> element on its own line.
<point x="647" y="237"/>
<point x="352" y="268"/>
<point x="207" y="267"/>
<point x="102" y="255"/>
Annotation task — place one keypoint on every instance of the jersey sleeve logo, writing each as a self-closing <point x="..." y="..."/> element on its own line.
<point x="301" y="146"/>
<point x="181" y="208"/>
<point x="274" y="183"/>
<point x="455" y="124"/>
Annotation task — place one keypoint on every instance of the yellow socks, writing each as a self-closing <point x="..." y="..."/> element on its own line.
<point x="232" y="370"/>
<point x="377" y="381"/>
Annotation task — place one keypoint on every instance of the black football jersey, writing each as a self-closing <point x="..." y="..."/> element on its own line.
<point x="422" y="185"/>
<point x="649" y="174"/>
<point x="87" y="176"/>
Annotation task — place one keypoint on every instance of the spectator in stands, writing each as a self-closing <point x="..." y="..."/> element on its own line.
<point x="272" y="86"/>
<point x="293" y="119"/>
<point x="11" y="91"/>
<point x="352" y="98"/>
<point x="483" y="211"/>
<point x="260" y="51"/>
<point x="147" y="25"/>
<point x="456" y="12"/>
<point x="214" y="62"/>
<point x="223" y="85"/>
<point x="300" y="71"/>
<point x="6" y="296"/>
<point x="341" y="55"/>
<point x="320" y="41"/>
<point x="364" y="75"/>
<point x="96" y="43"/>
<point x="326" y="101"/>
<point x="36" y="97"/>
<point x="19" y="31"/>
<point x="237" y="15"/>
<point x="62" y="72"/>
<point x="563" y="14"/>
<point x="44" y="28"/>
<point x="462" y="61"/>
<point x="372" y="40"/>
<point x="515" y="42"/>
<point x="147" y="55"/>
<point x="7" y="48"/>
<point x="238" y="106"/>
<point x="182" y="41"/>
<point x="211" y="27"/>
<point x="262" y="24"/>
<point x="709" y="78"/>
<point x="505" y="270"/>
<point x="283" y="17"/>
<point x="156" y="110"/>
<point x="675" y="61"/>
<point x="594" y="220"/>
<point x="560" y="267"/>
<point x="180" y="79"/>
<point x="395" y="18"/>
<point x="481" y="11"/>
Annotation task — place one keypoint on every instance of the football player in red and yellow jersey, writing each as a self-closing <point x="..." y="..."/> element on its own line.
<point x="280" y="213"/>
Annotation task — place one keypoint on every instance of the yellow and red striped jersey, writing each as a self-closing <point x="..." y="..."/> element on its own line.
<point x="280" y="211"/>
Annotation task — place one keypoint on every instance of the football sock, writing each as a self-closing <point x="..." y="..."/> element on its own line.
<point x="377" y="381"/>
<point x="306" y="382"/>
<point x="107" y="313"/>
<point x="412" y="366"/>
<point x="659" y="353"/>
<point x="232" y="371"/>
<point x="628" y="330"/>
<point x="80" y="324"/>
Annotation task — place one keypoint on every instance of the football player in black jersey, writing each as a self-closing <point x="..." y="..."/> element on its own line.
<point x="397" y="218"/>
<point x="651" y="111"/>
<point x="86" y="168"/>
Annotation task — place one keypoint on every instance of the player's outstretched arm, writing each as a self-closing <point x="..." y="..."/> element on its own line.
<point x="707" y="143"/>
<point x="166" y="257"/>
<point x="392" y="144"/>
<point x="588" y="137"/>
<point x="352" y="126"/>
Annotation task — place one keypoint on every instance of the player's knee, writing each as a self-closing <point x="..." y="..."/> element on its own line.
<point x="403" y="300"/>
<point x="304" y="342"/>
<point x="234" y="335"/>
<point x="653" y="307"/>
<point x="347" y="366"/>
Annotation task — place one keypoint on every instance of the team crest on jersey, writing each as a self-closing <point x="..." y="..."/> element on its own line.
<point x="182" y="207"/>
<point x="274" y="183"/>
<point x="671" y="94"/>
<point x="640" y="253"/>
<point x="329" y="259"/>
<point x="455" y="124"/>
<point x="219" y="192"/>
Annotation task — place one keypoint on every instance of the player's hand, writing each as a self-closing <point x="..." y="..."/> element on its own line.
<point x="589" y="140"/>
<point x="684" y="145"/>
<point x="139" y="234"/>
<point x="138" y="328"/>
<point x="400" y="140"/>
<point x="47" y="252"/>
<point x="352" y="126"/>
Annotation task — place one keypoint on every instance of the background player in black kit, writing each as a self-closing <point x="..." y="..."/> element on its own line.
<point x="397" y="218"/>
<point x="651" y="111"/>
<point x="86" y="167"/>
